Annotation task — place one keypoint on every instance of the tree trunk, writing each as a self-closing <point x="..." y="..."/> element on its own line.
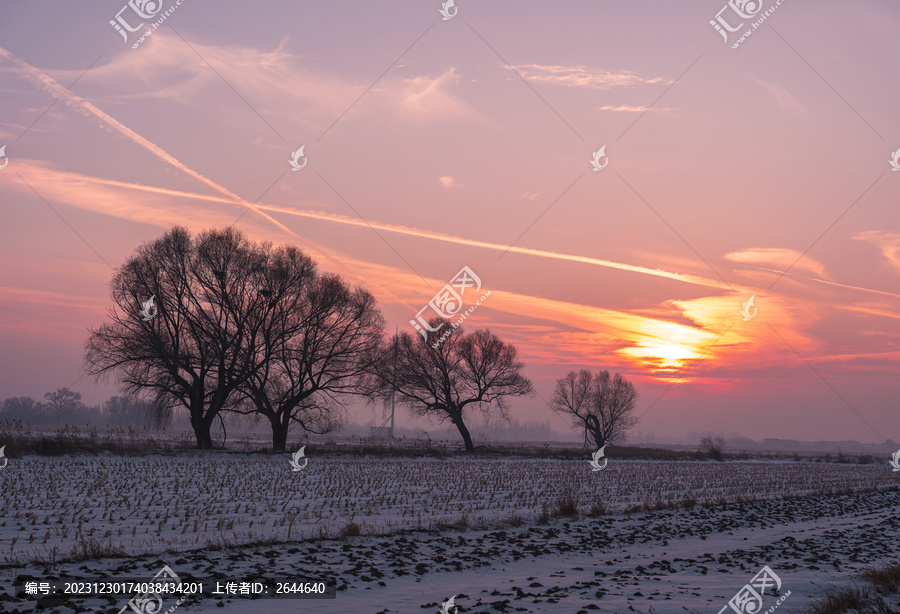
<point x="201" y="426"/>
<point x="467" y="438"/>
<point x="279" y="434"/>
<point x="592" y="426"/>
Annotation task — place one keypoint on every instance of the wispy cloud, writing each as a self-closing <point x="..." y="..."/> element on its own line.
<point x="283" y="87"/>
<point x="778" y="257"/>
<point x="887" y="242"/>
<point x="782" y="97"/>
<point x="427" y="97"/>
<point x="629" y="109"/>
<point x="583" y="76"/>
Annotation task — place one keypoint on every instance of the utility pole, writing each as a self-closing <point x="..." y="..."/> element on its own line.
<point x="394" y="390"/>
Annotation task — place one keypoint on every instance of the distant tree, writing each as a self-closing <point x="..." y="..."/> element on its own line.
<point x="23" y="408"/>
<point x="65" y="404"/>
<point x="600" y="404"/>
<point x="713" y="446"/>
<point x="129" y="410"/>
<point x="446" y="379"/>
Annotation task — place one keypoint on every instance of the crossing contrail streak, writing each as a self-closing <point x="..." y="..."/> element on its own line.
<point x="51" y="86"/>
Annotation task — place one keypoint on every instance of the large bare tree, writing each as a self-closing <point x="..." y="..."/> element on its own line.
<point x="314" y="350"/>
<point x="241" y="327"/>
<point x="197" y="345"/>
<point x="447" y="379"/>
<point x="600" y="404"/>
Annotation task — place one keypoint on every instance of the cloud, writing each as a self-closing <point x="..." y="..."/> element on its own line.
<point x="782" y="97"/>
<point x="582" y="76"/>
<point x="448" y="182"/>
<point x="529" y="195"/>
<point x="778" y="257"/>
<point x="276" y="84"/>
<point x="887" y="242"/>
<point x="629" y="109"/>
<point x="429" y="97"/>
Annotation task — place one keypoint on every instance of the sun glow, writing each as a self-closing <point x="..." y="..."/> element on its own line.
<point x="660" y="356"/>
<point x="665" y="348"/>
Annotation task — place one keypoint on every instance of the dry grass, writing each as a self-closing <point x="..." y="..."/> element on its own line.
<point x="68" y="440"/>
<point x="566" y="505"/>
<point x="885" y="581"/>
<point x="351" y="529"/>
<point x="885" y="578"/>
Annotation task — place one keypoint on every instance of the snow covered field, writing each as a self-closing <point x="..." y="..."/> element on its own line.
<point x="430" y="529"/>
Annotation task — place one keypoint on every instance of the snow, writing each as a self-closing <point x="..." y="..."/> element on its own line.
<point x="170" y="509"/>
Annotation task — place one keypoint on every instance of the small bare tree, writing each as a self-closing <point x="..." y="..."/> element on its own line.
<point x="600" y="404"/>
<point x="446" y="379"/>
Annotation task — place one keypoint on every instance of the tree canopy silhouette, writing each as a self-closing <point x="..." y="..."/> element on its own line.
<point x="600" y="404"/>
<point x="239" y="326"/>
<point x="447" y="379"/>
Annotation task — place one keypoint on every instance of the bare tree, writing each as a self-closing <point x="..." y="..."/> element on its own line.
<point x="197" y="349"/>
<point x="314" y="349"/>
<point x="64" y="403"/>
<point x="601" y="405"/>
<point x="447" y="379"/>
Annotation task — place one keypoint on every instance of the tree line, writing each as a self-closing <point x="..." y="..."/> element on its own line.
<point x="243" y="327"/>
<point x="64" y="406"/>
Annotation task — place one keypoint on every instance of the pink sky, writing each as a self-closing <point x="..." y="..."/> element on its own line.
<point x="745" y="162"/>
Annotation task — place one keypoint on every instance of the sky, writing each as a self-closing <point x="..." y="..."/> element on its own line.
<point x="731" y="169"/>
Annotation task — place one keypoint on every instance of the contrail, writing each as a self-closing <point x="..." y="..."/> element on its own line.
<point x="51" y="86"/>
<point x="832" y="283"/>
<point x="438" y="236"/>
<point x="409" y="231"/>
